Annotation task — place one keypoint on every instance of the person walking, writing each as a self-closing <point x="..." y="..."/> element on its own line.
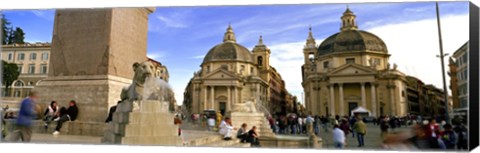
<point x="210" y="123"/>
<point x="27" y="113"/>
<point x="383" y="127"/>
<point x="361" y="130"/>
<point x="352" y="122"/>
<point x="338" y="137"/>
<point x="345" y="127"/>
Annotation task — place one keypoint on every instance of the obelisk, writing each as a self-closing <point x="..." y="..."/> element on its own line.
<point x="92" y="54"/>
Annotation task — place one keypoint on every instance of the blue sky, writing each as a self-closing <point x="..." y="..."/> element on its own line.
<point x="179" y="37"/>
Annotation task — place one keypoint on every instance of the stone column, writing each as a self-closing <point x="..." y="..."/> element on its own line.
<point x="374" y="99"/>
<point x="212" y="100"/>
<point x="235" y="95"/>
<point x="229" y="104"/>
<point x="364" y="102"/>
<point x="392" y="100"/>
<point x="258" y="93"/>
<point x="332" y="99"/>
<point x="205" y="98"/>
<point x="342" y="109"/>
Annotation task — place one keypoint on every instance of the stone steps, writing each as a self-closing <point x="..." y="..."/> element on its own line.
<point x="216" y="141"/>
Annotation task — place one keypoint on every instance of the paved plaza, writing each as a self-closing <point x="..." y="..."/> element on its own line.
<point x="373" y="138"/>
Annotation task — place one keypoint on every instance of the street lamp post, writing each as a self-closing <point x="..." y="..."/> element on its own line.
<point x="442" y="55"/>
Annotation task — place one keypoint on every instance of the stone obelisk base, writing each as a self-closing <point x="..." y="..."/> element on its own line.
<point x="151" y="125"/>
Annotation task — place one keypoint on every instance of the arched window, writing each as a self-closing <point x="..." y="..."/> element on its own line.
<point x="18" y="83"/>
<point x="260" y="60"/>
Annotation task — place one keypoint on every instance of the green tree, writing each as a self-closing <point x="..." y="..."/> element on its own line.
<point x="18" y="36"/>
<point x="5" y="30"/>
<point x="10" y="74"/>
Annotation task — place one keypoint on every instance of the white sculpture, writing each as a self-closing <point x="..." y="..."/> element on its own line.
<point x="248" y="107"/>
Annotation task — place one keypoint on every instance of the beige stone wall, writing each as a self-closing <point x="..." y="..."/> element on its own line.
<point x="94" y="95"/>
<point x="128" y="40"/>
<point x="80" y="42"/>
<point x="99" y="41"/>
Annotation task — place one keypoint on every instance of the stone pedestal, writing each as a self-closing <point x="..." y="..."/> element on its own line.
<point x="91" y="60"/>
<point x="252" y="119"/>
<point x="151" y="125"/>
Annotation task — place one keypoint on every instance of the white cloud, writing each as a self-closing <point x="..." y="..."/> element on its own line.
<point x="413" y="46"/>
<point x="198" y="57"/>
<point x="44" y="14"/>
<point x="171" y="22"/>
<point x="156" y="55"/>
<point x="287" y="59"/>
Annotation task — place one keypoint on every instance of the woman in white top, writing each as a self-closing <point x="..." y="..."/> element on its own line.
<point x="226" y="129"/>
<point x="51" y="113"/>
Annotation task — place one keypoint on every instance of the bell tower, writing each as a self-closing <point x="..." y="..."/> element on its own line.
<point x="309" y="50"/>
<point x="348" y="20"/>
<point x="261" y="55"/>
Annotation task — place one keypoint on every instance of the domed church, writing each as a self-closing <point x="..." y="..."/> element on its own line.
<point x="349" y="71"/>
<point x="230" y="74"/>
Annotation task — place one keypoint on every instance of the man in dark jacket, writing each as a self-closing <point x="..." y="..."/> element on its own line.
<point x="110" y="113"/>
<point x="69" y="114"/>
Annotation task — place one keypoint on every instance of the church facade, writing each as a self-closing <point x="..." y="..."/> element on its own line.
<point x="230" y="74"/>
<point x="351" y="69"/>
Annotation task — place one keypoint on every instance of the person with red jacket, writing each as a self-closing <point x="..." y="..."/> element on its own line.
<point x="431" y="128"/>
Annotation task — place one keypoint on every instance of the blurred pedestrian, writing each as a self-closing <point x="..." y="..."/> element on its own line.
<point x="449" y="137"/>
<point x="210" y="123"/>
<point x="345" y="127"/>
<point x="338" y="137"/>
<point x="462" y="133"/>
<point x="27" y="113"/>
<point x="361" y="130"/>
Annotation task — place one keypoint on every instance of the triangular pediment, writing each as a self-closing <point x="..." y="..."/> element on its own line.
<point x="352" y="69"/>
<point x="221" y="74"/>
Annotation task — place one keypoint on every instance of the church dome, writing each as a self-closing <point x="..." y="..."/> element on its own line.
<point x="351" y="39"/>
<point x="229" y="50"/>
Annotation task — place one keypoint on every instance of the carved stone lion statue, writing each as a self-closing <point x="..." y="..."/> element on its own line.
<point x="248" y="107"/>
<point x="135" y="90"/>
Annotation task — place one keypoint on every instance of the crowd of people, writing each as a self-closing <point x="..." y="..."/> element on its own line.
<point x="429" y="135"/>
<point x="424" y="134"/>
<point x="27" y="114"/>
<point x="216" y="122"/>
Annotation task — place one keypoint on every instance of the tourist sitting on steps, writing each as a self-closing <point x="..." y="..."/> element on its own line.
<point x="226" y="129"/>
<point x="69" y="114"/>
<point x="253" y="136"/>
<point x="110" y="113"/>
<point x="242" y="133"/>
<point x="51" y="113"/>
